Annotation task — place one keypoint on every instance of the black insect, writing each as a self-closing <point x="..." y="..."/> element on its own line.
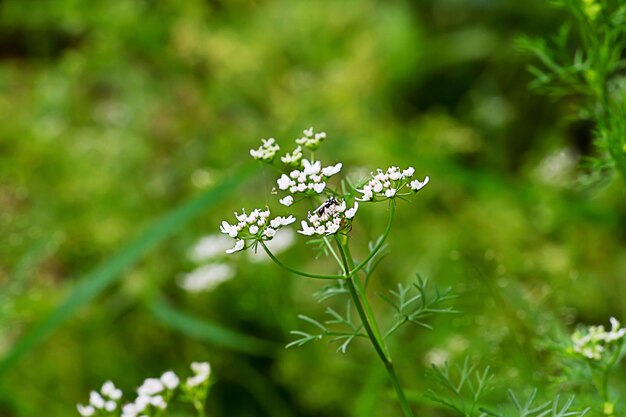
<point x="332" y="201"/>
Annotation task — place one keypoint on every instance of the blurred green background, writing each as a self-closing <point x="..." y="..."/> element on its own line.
<point x="119" y="118"/>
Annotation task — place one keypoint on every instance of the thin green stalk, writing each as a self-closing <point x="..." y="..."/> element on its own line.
<point x="295" y="271"/>
<point x="369" y="323"/>
<point x="379" y="244"/>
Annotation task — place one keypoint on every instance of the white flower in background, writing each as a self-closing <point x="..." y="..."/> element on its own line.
<point x="170" y="380"/>
<point x="152" y="396"/>
<point x="255" y="226"/>
<point x="593" y="341"/>
<point x="329" y="218"/>
<point x="204" y="278"/>
<point x="96" y="400"/>
<point x="310" y="180"/>
<point x="86" y="410"/>
<point x="390" y="183"/>
<point x="202" y="372"/>
<point x="311" y="139"/>
<point x="109" y="390"/>
<point x="150" y="386"/>
<point x="209" y="247"/>
<point x="267" y="151"/>
<point x="283" y="240"/>
<point x="293" y="158"/>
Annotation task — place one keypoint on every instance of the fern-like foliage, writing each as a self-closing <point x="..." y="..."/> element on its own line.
<point x="414" y="303"/>
<point x="463" y="390"/>
<point x="585" y="60"/>
<point x="529" y="408"/>
<point x="341" y="321"/>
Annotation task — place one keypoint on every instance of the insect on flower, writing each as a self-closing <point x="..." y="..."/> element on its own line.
<point x="332" y="201"/>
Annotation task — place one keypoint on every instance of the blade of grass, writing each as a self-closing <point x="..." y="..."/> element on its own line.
<point x="206" y="331"/>
<point x="92" y="284"/>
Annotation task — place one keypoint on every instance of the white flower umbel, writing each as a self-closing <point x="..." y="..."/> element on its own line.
<point x="330" y="218"/>
<point x="253" y="227"/>
<point x="153" y="395"/>
<point x="390" y="184"/>
<point x="592" y="342"/>
<point x="310" y="180"/>
<point x="311" y="139"/>
<point x="267" y="151"/>
<point x="293" y="159"/>
<point x="206" y="277"/>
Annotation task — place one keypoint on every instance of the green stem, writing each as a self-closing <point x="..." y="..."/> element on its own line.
<point x="295" y="271"/>
<point x="369" y="323"/>
<point x="379" y="244"/>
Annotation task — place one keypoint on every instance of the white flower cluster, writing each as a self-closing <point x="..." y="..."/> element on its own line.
<point x="206" y="277"/>
<point x="153" y="395"/>
<point x="311" y="139"/>
<point x="254" y="226"/>
<point x="390" y="183"/>
<point x="294" y="159"/>
<point x="594" y="341"/>
<point x="267" y="151"/>
<point x="331" y="217"/>
<point x="202" y="372"/>
<point x="310" y="180"/>
<point x="105" y="400"/>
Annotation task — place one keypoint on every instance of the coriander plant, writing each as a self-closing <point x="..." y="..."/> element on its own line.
<point x="585" y="62"/>
<point x="326" y="222"/>
<point x="153" y="396"/>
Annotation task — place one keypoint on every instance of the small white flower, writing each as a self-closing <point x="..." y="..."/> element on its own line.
<point x="109" y="390"/>
<point x="306" y="229"/>
<point x="284" y="182"/>
<point x="205" y="278"/>
<point x="229" y="229"/>
<point x="238" y="246"/>
<point x="96" y="400"/>
<point x="269" y="232"/>
<point x="110" y="406"/>
<point x="202" y="371"/>
<point x="319" y="187"/>
<point x="311" y="140"/>
<point x="267" y="151"/>
<point x="351" y="212"/>
<point x="158" y="402"/>
<point x="311" y="168"/>
<point x="85" y="410"/>
<point x="201" y="368"/>
<point x="150" y="386"/>
<point x="286" y="201"/>
<point x="329" y="171"/>
<point x="417" y="185"/>
<point x="408" y="173"/>
<point x="170" y="380"/>
<point x="130" y="410"/>
<point x="293" y="158"/>
<point x="142" y="402"/>
<point x="254" y="229"/>
<point x="390" y="192"/>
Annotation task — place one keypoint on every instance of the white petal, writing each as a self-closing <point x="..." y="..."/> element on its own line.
<point x="351" y="212"/>
<point x="238" y="246"/>
<point x="287" y="201"/>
